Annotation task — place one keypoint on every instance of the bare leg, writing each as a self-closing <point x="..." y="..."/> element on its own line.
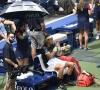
<point x="12" y="87"/>
<point x="98" y="29"/>
<point x="61" y="69"/>
<point x="86" y="37"/>
<point x="97" y="25"/>
<point x="25" y="61"/>
<point x="7" y="86"/>
<point x="70" y="66"/>
<point x="80" y="37"/>
<point x="33" y="53"/>
<point x="20" y="62"/>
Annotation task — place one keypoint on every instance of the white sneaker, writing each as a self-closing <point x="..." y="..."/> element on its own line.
<point x="97" y="37"/>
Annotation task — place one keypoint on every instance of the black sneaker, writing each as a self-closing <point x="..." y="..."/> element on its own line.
<point x="71" y="84"/>
<point x="62" y="87"/>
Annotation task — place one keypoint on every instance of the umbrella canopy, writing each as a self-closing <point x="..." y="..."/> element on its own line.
<point x="23" y="10"/>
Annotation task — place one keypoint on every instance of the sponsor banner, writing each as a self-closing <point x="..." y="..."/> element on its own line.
<point x="19" y="86"/>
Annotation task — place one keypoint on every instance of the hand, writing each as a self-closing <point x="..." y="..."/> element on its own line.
<point x="45" y="34"/>
<point x="15" y="66"/>
<point x="57" y="44"/>
<point x="24" y="34"/>
<point x="92" y="11"/>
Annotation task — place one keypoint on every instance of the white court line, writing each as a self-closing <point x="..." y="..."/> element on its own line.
<point x="51" y="21"/>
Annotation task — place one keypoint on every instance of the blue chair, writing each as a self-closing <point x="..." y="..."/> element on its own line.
<point x="50" y="31"/>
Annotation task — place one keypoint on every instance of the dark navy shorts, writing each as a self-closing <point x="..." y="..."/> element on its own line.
<point x="84" y="26"/>
<point x="97" y="15"/>
<point x="21" y="54"/>
<point x="97" y="12"/>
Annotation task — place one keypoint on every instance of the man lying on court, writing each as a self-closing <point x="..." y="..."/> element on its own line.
<point x="49" y="53"/>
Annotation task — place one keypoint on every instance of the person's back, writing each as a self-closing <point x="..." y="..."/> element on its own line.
<point x="83" y="13"/>
<point x="35" y="23"/>
<point x="37" y="32"/>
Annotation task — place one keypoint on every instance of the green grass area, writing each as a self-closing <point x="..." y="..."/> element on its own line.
<point x="95" y="45"/>
<point x="2" y="82"/>
<point x="90" y="67"/>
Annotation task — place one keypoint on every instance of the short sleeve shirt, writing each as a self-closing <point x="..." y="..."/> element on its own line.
<point x="22" y="44"/>
<point x="45" y="50"/>
<point x="83" y="15"/>
<point x="35" y="23"/>
<point x="8" y="53"/>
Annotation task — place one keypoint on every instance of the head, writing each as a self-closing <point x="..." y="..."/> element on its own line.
<point x="10" y="37"/>
<point x="81" y="4"/>
<point x="48" y="40"/>
<point x="21" y="24"/>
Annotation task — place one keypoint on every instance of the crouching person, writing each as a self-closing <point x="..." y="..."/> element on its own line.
<point x="49" y="53"/>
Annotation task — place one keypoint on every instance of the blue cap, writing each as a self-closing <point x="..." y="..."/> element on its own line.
<point x="21" y="23"/>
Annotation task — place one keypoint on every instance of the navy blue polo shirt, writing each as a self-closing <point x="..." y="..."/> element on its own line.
<point x="35" y="23"/>
<point x="97" y="5"/>
<point x="8" y="53"/>
<point x="83" y="15"/>
<point x="22" y="44"/>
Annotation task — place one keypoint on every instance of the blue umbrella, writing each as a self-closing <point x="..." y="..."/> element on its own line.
<point x="23" y="10"/>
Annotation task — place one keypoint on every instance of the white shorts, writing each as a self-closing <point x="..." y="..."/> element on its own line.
<point x="52" y="62"/>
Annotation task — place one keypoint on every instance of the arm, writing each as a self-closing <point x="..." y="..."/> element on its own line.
<point x="56" y="51"/>
<point x="89" y="10"/>
<point x="92" y="3"/>
<point x="50" y="54"/>
<point x="21" y="36"/>
<point x="75" y="10"/>
<point x="8" y="22"/>
<point x="43" y="25"/>
<point x="53" y="53"/>
<point x="10" y="62"/>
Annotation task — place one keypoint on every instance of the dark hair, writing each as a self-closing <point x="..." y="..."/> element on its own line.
<point x="21" y="23"/>
<point x="8" y="33"/>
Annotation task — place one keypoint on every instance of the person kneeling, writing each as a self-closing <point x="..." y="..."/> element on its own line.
<point x="49" y="53"/>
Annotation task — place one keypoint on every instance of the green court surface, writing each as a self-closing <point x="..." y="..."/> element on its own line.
<point x="90" y="67"/>
<point x="89" y="60"/>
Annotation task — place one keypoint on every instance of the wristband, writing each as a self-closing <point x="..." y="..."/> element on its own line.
<point x="59" y="48"/>
<point x="55" y="49"/>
